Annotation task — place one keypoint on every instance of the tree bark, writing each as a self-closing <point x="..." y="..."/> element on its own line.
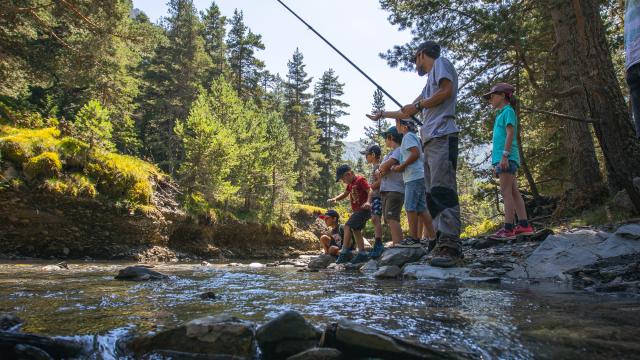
<point x="584" y="61"/>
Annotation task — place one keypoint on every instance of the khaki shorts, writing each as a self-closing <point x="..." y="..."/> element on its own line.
<point x="392" y="205"/>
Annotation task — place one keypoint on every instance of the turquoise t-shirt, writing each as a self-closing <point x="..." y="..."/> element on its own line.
<point x="506" y="116"/>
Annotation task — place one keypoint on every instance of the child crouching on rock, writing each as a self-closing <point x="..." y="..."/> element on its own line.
<point x="506" y="160"/>
<point x="332" y="242"/>
<point x="358" y="192"/>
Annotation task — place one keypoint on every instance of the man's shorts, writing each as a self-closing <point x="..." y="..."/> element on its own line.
<point x="415" y="196"/>
<point x="511" y="169"/>
<point x="392" y="202"/>
<point x="358" y="219"/>
<point x="376" y="206"/>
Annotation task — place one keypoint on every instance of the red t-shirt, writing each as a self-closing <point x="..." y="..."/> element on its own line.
<point x="358" y="192"/>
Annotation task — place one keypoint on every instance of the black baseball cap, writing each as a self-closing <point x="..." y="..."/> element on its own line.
<point x="430" y="48"/>
<point x="372" y="149"/>
<point x="341" y="170"/>
<point x="330" y="213"/>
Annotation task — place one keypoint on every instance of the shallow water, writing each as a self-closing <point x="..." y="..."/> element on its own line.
<point x="489" y="321"/>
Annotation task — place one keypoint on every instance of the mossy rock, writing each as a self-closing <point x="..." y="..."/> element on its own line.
<point x="19" y="145"/>
<point x="122" y="177"/>
<point x="75" y="185"/>
<point x="44" y="165"/>
<point x="74" y="152"/>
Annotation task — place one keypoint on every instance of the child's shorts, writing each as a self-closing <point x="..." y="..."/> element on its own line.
<point x="392" y="205"/>
<point x="511" y="169"/>
<point x="376" y="206"/>
<point x="358" y="219"/>
<point x="415" y="196"/>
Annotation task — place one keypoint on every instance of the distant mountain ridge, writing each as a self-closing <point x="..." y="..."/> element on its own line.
<point x="352" y="150"/>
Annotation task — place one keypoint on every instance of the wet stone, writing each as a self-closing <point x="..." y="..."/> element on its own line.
<point x="388" y="272"/>
<point x="139" y="273"/>
<point x="286" y="335"/>
<point x="318" y="354"/>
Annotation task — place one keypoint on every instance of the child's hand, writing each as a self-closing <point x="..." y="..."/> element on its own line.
<point x="504" y="163"/>
<point x="366" y="206"/>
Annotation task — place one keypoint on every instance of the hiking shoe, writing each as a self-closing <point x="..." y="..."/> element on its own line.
<point x="428" y="244"/>
<point x="344" y="257"/>
<point x="447" y="253"/>
<point x="377" y="250"/>
<point x="409" y="242"/>
<point x="521" y="230"/>
<point x="504" y="234"/>
<point x="360" y="258"/>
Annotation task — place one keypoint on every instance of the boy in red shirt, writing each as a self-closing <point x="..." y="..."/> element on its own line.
<point x="358" y="192"/>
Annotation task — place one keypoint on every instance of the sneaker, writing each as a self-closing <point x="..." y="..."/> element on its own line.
<point x="409" y="242"/>
<point x="428" y="244"/>
<point x="521" y="230"/>
<point x="446" y="254"/>
<point x="377" y="250"/>
<point x="360" y="258"/>
<point x="504" y="234"/>
<point x="344" y="257"/>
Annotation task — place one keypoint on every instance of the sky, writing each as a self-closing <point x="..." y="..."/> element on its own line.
<point x="359" y="28"/>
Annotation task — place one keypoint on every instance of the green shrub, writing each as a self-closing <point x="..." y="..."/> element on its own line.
<point x="81" y="186"/>
<point x="55" y="186"/>
<point x="74" y="152"/>
<point x="195" y="204"/>
<point x="44" y="165"/>
<point x="19" y="145"/>
<point x="122" y="177"/>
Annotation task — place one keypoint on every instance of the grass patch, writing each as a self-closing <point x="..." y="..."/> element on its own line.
<point x="44" y="165"/>
<point x="601" y="215"/>
<point x="19" y="145"/>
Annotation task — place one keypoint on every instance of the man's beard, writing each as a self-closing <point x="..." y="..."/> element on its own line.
<point x="421" y="72"/>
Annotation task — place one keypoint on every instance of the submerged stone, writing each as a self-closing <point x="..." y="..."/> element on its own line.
<point x="287" y="334"/>
<point x="139" y="273"/>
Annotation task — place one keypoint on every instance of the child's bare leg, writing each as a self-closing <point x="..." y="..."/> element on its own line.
<point x="346" y="243"/>
<point x="396" y="232"/>
<point x="412" y="219"/>
<point x="518" y="201"/>
<point x="334" y="250"/>
<point x="506" y="185"/>
<point x="359" y="239"/>
<point x="325" y="240"/>
<point x="377" y="226"/>
<point x="429" y="229"/>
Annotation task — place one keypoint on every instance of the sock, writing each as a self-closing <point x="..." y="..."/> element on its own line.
<point x="523" y="223"/>
<point x="508" y="226"/>
<point x="378" y="241"/>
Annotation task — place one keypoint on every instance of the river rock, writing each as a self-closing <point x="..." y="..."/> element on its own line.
<point x="563" y="252"/>
<point x="9" y="321"/>
<point x="211" y="335"/>
<point x="321" y="262"/>
<point x="369" y="266"/>
<point x="387" y="272"/>
<point x="318" y="354"/>
<point x="399" y="256"/>
<point x="287" y="334"/>
<point x="180" y="355"/>
<point x="208" y="295"/>
<point x="139" y="273"/>
<point x="428" y="272"/>
<point x="21" y="346"/>
<point x="256" y="265"/>
<point x="629" y="231"/>
<point x="358" y="341"/>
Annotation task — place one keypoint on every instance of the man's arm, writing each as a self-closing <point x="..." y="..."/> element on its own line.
<point x="445" y="91"/>
<point x="392" y="114"/>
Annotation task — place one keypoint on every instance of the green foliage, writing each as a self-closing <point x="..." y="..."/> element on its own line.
<point x="196" y="204"/>
<point x="122" y="177"/>
<point x="74" y="152"/>
<point x="374" y="133"/>
<point x="75" y="185"/>
<point x="92" y="125"/>
<point x="246" y="69"/>
<point x="19" y="145"/>
<point x="44" y="165"/>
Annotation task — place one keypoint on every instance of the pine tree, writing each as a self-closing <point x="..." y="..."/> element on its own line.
<point x="246" y="69"/>
<point x="214" y="34"/>
<point x="328" y="109"/>
<point x="300" y="121"/>
<point x="92" y="125"/>
<point x="173" y="79"/>
<point x="374" y="133"/>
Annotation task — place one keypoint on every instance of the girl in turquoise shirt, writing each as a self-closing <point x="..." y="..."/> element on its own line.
<point x="506" y="160"/>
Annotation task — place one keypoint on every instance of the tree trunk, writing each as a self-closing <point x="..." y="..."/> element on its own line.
<point x="584" y="62"/>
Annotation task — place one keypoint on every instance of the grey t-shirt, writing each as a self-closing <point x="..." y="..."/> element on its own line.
<point x="392" y="181"/>
<point x="440" y="120"/>
<point x="632" y="33"/>
<point x="375" y="193"/>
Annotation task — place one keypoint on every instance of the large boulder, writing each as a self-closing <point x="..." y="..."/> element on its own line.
<point x="318" y="354"/>
<point x="399" y="256"/>
<point x="321" y="262"/>
<point x="286" y="335"/>
<point x="26" y="346"/>
<point x="211" y="335"/>
<point x="139" y="273"/>
<point x="358" y="341"/>
<point x="563" y="252"/>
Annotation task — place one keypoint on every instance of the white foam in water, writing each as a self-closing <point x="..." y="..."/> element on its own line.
<point x="101" y="347"/>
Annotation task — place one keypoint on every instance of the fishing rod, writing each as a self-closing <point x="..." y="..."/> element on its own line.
<point x="347" y="59"/>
